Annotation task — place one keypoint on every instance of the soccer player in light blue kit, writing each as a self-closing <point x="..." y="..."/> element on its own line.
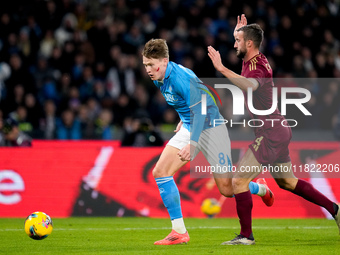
<point x="195" y="132"/>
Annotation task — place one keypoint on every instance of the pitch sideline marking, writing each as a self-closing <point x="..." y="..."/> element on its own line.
<point x="160" y="228"/>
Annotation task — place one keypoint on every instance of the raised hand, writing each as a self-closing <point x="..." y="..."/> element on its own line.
<point x="241" y="22"/>
<point x="215" y="57"/>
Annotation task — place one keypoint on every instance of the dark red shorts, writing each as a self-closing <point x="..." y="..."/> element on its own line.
<point x="271" y="145"/>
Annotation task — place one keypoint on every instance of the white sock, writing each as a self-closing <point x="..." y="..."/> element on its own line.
<point x="262" y="190"/>
<point x="178" y="226"/>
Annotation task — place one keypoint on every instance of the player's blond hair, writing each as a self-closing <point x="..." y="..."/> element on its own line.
<point x="156" y="48"/>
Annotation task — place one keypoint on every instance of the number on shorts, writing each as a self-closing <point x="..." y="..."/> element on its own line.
<point x="221" y="157"/>
<point x="258" y="143"/>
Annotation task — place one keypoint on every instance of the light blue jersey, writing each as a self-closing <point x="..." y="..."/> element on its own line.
<point x="183" y="90"/>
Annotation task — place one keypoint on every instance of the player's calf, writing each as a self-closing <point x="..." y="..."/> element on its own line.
<point x="337" y="216"/>
<point x="287" y="183"/>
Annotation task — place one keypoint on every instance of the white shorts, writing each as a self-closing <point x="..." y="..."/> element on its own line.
<point x="213" y="142"/>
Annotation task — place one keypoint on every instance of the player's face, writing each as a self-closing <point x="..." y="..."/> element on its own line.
<point x="240" y="45"/>
<point x="155" y="67"/>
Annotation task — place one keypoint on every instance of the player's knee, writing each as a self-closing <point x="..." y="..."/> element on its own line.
<point x="225" y="187"/>
<point x="158" y="173"/>
<point x="239" y="183"/>
<point x="226" y="191"/>
<point x="286" y="184"/>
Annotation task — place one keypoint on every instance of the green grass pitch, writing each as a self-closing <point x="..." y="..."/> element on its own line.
<point x="136" y="236"/>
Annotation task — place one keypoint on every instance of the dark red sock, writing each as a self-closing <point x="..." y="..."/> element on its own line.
<point x="307" y="191"/>
<point x="244" y="205"/>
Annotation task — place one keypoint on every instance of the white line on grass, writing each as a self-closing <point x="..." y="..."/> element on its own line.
<point x="226" y="227"/>
<point x="160" y="228"/>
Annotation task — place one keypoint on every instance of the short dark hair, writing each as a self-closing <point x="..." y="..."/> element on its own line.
<point x="252" y="32"/>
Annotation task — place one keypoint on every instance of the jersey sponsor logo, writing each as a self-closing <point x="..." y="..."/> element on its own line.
<point x="170" y="97"/>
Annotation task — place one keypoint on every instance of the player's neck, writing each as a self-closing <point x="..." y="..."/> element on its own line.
<point x="250" y="54"/>
<point x="161" y="79"/>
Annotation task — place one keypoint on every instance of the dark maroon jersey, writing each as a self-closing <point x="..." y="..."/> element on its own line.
<point x="258" y="68"/>
<point x="271" y="143"/>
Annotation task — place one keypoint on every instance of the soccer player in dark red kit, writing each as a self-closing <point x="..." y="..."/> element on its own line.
<point x="270" y="146"/>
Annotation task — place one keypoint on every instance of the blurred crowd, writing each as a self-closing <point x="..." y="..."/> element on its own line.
<point x="72" y="69"/>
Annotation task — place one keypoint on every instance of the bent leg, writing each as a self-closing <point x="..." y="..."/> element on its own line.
<point x="285" y="178"/>
<point x="303" y="189"/>
<point x="215" y="146"/>
<point x="167" y="165"/>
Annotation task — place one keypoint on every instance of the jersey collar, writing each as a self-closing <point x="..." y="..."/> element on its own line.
<point x="168" y="70"/>
<point x="254" y="57"/>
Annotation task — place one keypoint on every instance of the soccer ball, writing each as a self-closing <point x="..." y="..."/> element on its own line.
<point x="210" y="207"/>
<point x="38" y="225"/>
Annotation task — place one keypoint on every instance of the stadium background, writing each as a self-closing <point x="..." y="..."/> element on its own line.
<point x="72" y="70"/>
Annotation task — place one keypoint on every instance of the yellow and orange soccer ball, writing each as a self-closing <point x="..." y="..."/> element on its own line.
<point x="210" y="207"/>
<point x="38" y="225"/>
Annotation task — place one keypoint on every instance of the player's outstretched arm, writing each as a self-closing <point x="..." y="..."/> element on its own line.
<point x="240" y="81"/>
<point x="241" y="22"/>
